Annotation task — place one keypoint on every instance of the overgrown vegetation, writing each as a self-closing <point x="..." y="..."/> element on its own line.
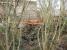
<point x="15" y="35"/>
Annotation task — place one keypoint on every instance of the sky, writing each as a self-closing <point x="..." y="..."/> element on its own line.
<point x="56" y="5"/>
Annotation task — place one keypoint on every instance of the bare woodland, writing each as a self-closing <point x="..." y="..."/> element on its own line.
<point x="33" y="24"/>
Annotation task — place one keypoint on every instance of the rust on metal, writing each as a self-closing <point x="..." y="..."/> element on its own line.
<point x="33" y="21"/>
